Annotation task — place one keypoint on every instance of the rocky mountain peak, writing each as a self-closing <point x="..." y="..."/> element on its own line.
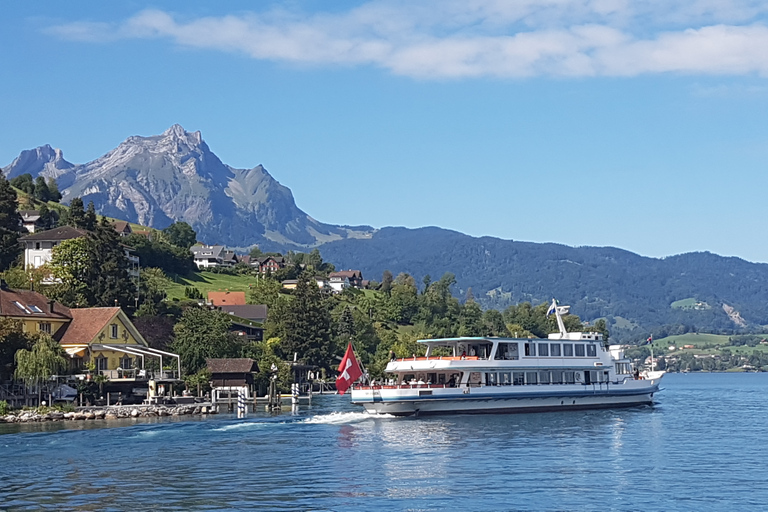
<point x="157" y="179"/>
<point x="178" y="133"/>
<point x="40" y="160"/>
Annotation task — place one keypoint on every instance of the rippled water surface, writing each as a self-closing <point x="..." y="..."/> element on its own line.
<point x="702" y="447"/>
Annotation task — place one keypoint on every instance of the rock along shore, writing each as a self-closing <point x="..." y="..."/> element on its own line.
<point x="109" y="413"/>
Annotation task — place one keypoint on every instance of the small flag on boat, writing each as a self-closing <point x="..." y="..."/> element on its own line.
<point x="552" y="308"/>
<point x="349" y="371"/>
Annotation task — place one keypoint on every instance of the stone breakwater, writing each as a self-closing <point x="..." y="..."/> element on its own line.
<point x="108" y="413"/>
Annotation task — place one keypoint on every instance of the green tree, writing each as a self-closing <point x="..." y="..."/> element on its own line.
<point x="39" y="363"/>
<point x="53" y="190"/>
<point x="12" y="339"/>
<point x="108" y="280"/>
<point x="308" y="325"/>
<point x="386" y="282"/>
<point x="48" y="217"/>
<point x="41" y="190"/>
<point x="10" y="225"/>
<point x="201" y="334"/>
<point x="89" y="219"/>
<point x="493" y="323"/>
<point x="76" y="215"/>
<point x="181" y="234"/>
<point x="471" y="320"/>
<point x="256" y="252"/>
<point x="24" y="182"/>
<point x="265" y="291"/>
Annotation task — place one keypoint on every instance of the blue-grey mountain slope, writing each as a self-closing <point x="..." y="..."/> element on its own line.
<point x="632" y="291"/>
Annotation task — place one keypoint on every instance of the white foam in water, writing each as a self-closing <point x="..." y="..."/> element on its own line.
<point x="237" y="426"/>
<point x="344" y="417"/>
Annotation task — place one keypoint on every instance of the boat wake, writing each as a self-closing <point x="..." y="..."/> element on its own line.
<point x="240" y="426"/>
<point x="339" y="418"/>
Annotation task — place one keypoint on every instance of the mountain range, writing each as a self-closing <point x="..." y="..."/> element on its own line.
<point x="174" y="176"/>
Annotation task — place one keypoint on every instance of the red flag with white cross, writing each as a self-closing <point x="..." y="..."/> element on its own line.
<point x="349" y="371"/>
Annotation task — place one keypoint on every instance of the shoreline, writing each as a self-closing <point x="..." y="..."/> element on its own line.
<point x="112" y="412"/>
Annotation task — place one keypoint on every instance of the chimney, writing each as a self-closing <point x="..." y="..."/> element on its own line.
<point x="50" y="305"/>
<point x="3" y="285"/>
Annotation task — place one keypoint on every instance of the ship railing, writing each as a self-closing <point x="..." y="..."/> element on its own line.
<point x="404" y="386"/>
<point x="438" y="358"/>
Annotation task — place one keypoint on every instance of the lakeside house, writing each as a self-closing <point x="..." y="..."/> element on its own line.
<point x="30" y="219"/>
<point x="268" y="264"/>
<point x="231" y="376"/>
<point x="344" y="279"/>
<point x="38" y="247"/>
<point x="103" y="336"/>
<point x="208" y="256"/>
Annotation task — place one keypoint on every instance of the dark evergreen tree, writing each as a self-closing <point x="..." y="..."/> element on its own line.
<point x="308" y="325"/>
<point x="24" y="183"/>
<point x="76" y="216"/>
<point x="47" y="218"/>
<point x="386" y="281"/>
<point x="90" y="220"/>
<point x="181" y="234"/>
<point x="41" y="190"/>
<point x="10" y="225"/>
<point x="109" y="283"/>
<point x="53" y="190"/>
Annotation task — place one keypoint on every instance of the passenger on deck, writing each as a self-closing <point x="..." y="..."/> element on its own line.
<point x="464" y="355"/>
<point x="451" y="382"/>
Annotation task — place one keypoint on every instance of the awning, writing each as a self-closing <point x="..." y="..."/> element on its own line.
<point x="75" y="351"/>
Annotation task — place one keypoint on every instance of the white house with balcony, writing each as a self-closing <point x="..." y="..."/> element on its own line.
<point x="38" y="247"/>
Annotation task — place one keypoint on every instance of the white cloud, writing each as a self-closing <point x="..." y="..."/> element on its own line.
<point x="474" y="38"/>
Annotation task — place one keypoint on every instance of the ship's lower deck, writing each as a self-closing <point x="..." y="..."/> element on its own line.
<point x="491" y="400"/>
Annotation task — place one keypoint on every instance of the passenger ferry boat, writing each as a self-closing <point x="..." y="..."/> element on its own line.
<point x="566" y="371"/>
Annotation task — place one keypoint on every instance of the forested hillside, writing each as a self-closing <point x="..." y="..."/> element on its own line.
<point x="629" y="290"/>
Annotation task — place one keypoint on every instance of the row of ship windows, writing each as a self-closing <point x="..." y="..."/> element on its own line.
<point x="539" y="377"/>
<point x="554" y="349"/>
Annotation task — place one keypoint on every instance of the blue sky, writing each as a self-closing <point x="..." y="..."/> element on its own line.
<point x="639" y="125"/>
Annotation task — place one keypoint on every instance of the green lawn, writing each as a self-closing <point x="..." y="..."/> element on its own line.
<point x="684" y="303"/>
<point x="209" y="282"/>
<point x="703" y="343"/>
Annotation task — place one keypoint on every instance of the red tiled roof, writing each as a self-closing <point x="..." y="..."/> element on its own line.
<point x="86" y="324"/>
<point x="227" y="298"/>
<point x="29" y="298"/>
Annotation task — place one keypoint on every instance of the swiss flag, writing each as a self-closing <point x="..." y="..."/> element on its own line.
<point x="349" y="371"/>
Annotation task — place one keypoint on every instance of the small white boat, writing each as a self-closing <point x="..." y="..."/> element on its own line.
<point x="566" y="371"/>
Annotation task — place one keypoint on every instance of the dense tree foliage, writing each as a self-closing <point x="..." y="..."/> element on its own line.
<point x="12" y="339"/>
<point x="201" y="334"/>
<point x="181" y="235"/>
<point x="93" y="270"/>
<point x="10" y="225"/>
<point x="38" y="188"/>
<point x="308" y="325"/>
<point x="634" y="294"/>
<point x="172" y="259"/>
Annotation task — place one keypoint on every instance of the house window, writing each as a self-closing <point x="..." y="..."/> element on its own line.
<point x="101" y="363"/>
<point x="126" y="363"/>
<point x="37" y="246"/>
<point x="44" y="327"/>
<point x="113" y="331"/>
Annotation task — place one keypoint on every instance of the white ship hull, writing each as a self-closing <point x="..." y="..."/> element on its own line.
<point x="425" y="400"/>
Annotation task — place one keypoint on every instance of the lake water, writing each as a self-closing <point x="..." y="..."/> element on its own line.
<point x="701" y="447"/>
